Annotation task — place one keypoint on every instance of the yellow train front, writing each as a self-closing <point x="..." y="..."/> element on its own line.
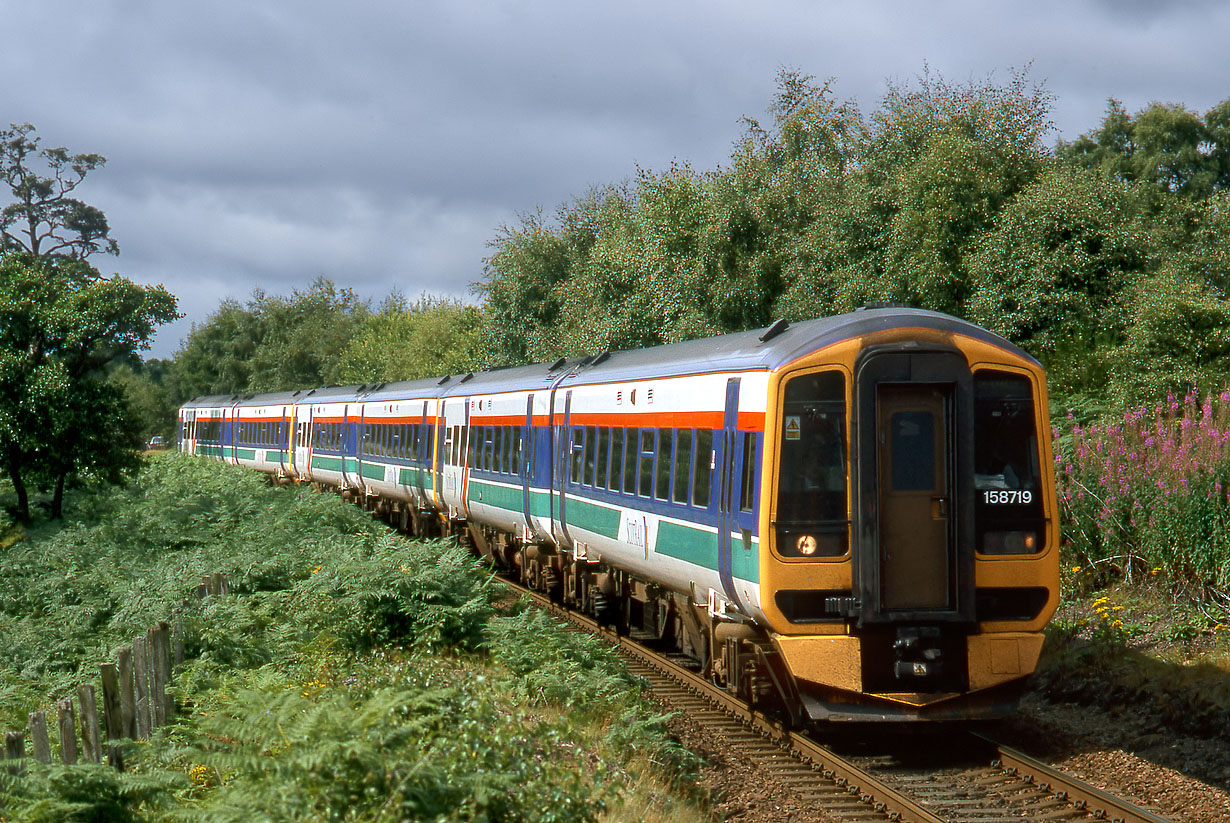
<point x="909" y="508"/>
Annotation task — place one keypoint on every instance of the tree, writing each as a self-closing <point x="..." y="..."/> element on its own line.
<point x="1165" y="145"/>
<point x="61" y="324"/>
<point x="273" y="343"/>
<point x="427" y="338"/>
<point x="45" y="220"/>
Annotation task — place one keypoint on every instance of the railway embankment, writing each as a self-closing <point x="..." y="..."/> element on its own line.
<point x="348" y="672"/>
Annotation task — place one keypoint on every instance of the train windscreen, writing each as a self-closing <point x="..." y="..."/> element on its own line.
<point x="1007" y="480"/>
<point x="812" y="518"/>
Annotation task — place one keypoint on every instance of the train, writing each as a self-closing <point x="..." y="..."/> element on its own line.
<point x="847" y="519"/>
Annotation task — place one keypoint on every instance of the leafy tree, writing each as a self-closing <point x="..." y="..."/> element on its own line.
<point x="61" y="324"/>
<point x="818" y="212"/>
<point x="216" y="356"/>
<point x="147" y="388"/>
<point x="1165" y="145"/>
<point x="45" y="219"/>
<point x="304" y="335"/>
<point x="401" y="341"/>
<point x="273" y="343"/>
<point x="1055" y="272"/>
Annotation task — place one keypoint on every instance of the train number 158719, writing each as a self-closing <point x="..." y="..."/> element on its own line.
<point x="1002" y="496"/>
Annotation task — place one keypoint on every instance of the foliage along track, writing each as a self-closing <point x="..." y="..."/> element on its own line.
<point x="987" y="782"/>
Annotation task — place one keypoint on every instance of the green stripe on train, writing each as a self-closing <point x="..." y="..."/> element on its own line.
<point x="501" y="497"/>
<point x="700" y="547"/>
<point x="415" y="478"/>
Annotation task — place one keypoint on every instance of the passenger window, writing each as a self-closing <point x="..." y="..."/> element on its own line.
<point x="749" y="472"/>
<point x="604" y="443"/>
<point x="702" y="469"/>
<point x="578" y="444"/>
<point x="591" y="446"/>
<point x="617" y="459"/>
<point x="630" y="461"/>
<point x="647" y="444"/>
<point x="662" y="490"/>
<point x="683" y="464"/>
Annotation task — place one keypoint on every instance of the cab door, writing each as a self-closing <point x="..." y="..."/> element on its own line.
<point x="913" y="553"/>
<point x="914" y="501"/>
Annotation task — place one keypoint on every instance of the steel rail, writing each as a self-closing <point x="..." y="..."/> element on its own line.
<point x="1080" y="794"/>
<point x="849" y="777"/>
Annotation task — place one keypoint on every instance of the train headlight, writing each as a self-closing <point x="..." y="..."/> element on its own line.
<point x="1010" y="542"/>
<point x="791" y="542"/>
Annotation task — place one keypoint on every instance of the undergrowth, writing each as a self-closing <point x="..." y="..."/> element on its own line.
<point x="350" y="674"/>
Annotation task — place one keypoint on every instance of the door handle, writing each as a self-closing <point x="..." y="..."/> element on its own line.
<point x="939" y="508"/>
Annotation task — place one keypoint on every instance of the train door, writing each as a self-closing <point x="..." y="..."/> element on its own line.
<point x="527" y="464"/>
<point x="454" y="414"/>
<point x="728" y="504"/>
<point x="914" y="557"/>
<point x="283" y="454"/>
<point x="914" y="497"/>
<point x="438" y="454"/>
<point x="303" y="443"/>
<point x="565" y="444"/>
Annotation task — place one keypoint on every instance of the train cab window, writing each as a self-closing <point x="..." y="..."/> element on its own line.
<point x="646" y="471"/>
<point x="812" y="518"/>
<point x="1008" y="512"/>
<point x="683" y="464"/>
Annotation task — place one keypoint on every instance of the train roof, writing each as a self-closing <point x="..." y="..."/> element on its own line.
<point x="759" y="350"/>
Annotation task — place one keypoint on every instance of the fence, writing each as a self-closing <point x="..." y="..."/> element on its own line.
<point x="135" y="701"/>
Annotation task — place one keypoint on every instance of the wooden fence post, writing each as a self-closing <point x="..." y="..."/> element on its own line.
<point x="14" y="745"/>
<point x="157" y="648"/>
<point x="177" y="641"/>
<point x="91" y="746"/>
<point x="113" y="713"/>
<point x="140" y="668"/>
<point x="68" y="732"/>
<point x="38" y="737"/>
<point x="128" y="700"/>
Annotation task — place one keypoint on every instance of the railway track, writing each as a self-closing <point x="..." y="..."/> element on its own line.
<point x="975" y="781"/>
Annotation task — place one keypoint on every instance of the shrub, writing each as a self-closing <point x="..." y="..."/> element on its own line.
<point x="1151" y="491"/>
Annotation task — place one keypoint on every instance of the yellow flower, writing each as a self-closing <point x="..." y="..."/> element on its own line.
<point x="1075" y="569"/>
<point x="318" y="568"/>
<point x="1155" y="571"/>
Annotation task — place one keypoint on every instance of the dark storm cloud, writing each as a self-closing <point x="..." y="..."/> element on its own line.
<point x="382" y="144"/>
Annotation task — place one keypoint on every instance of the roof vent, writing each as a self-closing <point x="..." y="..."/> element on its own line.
<point x="773" y="331"/>
<point x="883" y="304"/>
<point x="469" y="376"/>
<point x="444" y="380"/>
<point x="555" y="365"/>
<point x="606" y="355"/>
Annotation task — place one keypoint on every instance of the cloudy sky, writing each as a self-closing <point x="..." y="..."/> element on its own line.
<point x="383" y="144"/>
